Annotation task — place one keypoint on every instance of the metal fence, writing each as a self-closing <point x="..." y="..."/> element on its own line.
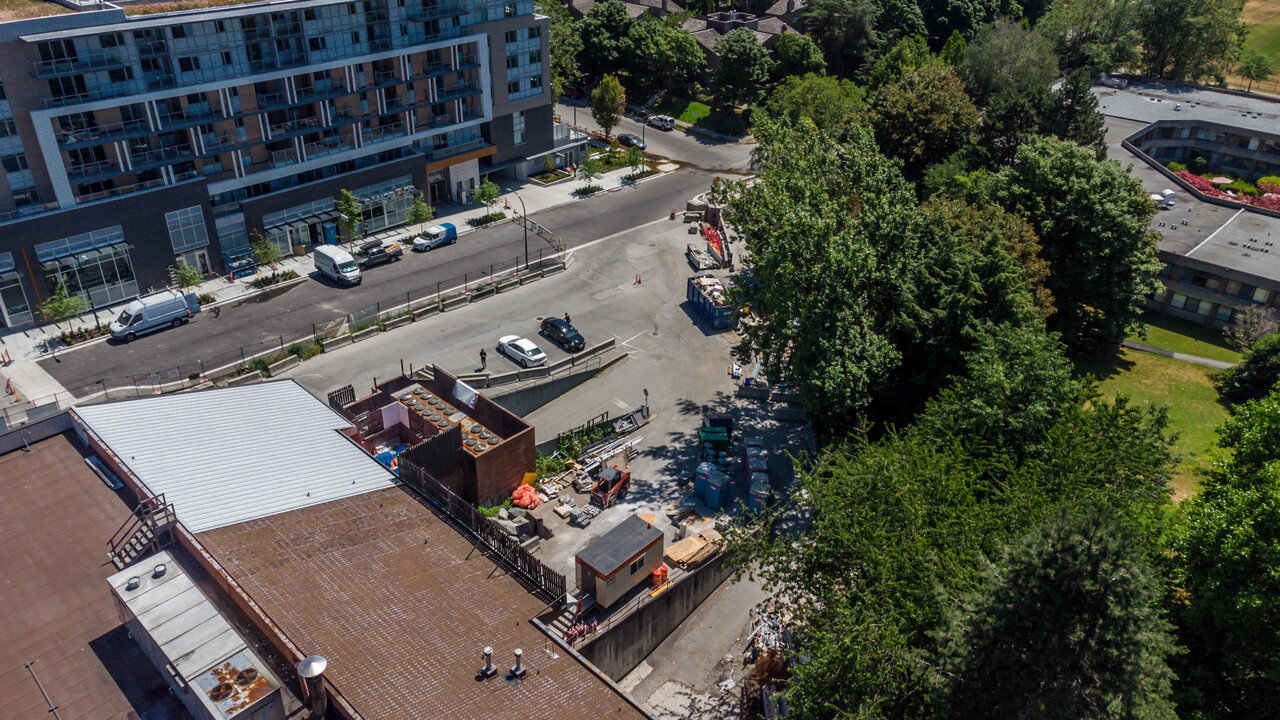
<point x="220" y="368"/>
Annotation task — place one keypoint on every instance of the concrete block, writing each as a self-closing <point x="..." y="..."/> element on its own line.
<point x="536" y="372"/>
<point x="364" y="334"/>
<point x="507" y="283"/>
<point x="530" y="276"/>
<point x="552" y="269"/>
<point x="559" y="365"/>
<point x="249" y="378"/>
<point x="503" y="378"/>
<point x="397" y="322"/>
<point x="452" y="303"/>
<point x="473" y="379"/>
<point x="275" y="369"/>
<point x="753" y="392"/>
<point x="480" y="294"/>
<point x="787" y="397"/>
<point x="426" y="312"/>
<point x="334" y="343"/>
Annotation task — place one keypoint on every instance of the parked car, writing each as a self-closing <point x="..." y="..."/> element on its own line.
<point x="375" y="253"/>
<point x="437" y="236"/>
<point x="522" y="351"/>
<point x="337" y="264"/>
<point x="574" y="91"/>
<point x="169" y="308"/>
<point x="631" y="140"/>
<point x="662" y="122"/>
<point x="563" y="334"/>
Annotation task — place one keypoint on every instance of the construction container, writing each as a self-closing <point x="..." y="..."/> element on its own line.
<point x="712" y="487"/>
<point x="707" y="295"/>
<point x="758" y="496"/>
<point x="717" y="438"/>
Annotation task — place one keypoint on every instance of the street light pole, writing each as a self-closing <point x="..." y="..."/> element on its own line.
<point x="524" y="220"/>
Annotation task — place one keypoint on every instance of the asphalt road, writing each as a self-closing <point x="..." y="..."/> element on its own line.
<point x="213" y="336"/>
<point x="691" y="150"/>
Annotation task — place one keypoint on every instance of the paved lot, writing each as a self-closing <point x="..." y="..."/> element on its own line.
<point x="692" y="150"/>
<point x="292" y="310"/>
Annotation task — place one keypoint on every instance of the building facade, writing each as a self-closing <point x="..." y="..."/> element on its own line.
<point x="135" y="142"/>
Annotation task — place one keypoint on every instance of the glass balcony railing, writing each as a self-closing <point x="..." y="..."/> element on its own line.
<point x="101" y="133"/>
<point x="84" y="170"/>
<point x="283" y="157"/>
<point x="103" y="60"/>
<point x="135" y="187"/>
<point x="382" y="133"/>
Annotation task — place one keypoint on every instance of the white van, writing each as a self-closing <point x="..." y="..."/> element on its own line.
<point x="337" y="264"/>
<point x="662" y="122"/>
<point x="169" y="308"/>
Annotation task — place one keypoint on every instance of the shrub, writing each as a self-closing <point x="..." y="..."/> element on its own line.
<point x="1242" y="187"/>
<point x="273" y="278"/>
<point x="305" y="351"/>
<point x="640" y="175"/>
<point x="1177" y="167"/>
<point x="492" y="511"/>
<point x="549" y="466"/>
<point x="486" y="219"/>
<point x="588" y="190"/>
<point x="205" y="298"/>
<point x="481" y="287"/>
<point x="1269" y="184"/>
<point x="1199" y="164"/>
<point x="362" y="326"/>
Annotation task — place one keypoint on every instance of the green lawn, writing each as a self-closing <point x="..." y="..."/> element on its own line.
<point x="1186" y="389"/>
<point x="1180" y="336"/>
<point x="1263" y="19"/>
<point x="683" y="110"/>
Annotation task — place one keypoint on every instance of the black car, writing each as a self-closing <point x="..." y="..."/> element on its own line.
<point x="631" y="140"/>
<point x="563" y="334"/>
<point x="574" y="91"/>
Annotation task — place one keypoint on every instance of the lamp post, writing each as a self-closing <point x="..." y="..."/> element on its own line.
<point x="524" y="220"/>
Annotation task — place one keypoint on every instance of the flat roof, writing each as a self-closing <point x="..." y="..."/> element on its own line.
<point x="609" y="552"/>
<point x="228" y="455"/>
<point x="1148" y="102"/>
<point x="58" y="610"/>
<point x="401" y="605"/>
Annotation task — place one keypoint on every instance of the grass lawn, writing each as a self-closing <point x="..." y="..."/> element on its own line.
<point x="1187" y="390"/>
<point x="1263" y="19"/>
<point x="1177" y="335"/>
<point x="683" y="111"/>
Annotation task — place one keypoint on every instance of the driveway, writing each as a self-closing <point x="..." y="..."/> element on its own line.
<point x="676" y="145"/>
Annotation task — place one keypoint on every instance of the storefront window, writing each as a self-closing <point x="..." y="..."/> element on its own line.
<point x="14" y="309"/>
<point x="95" y="266"/>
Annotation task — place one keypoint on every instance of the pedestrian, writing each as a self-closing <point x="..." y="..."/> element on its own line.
<point x="566" y="318"/>
<point x="484" y="359"/>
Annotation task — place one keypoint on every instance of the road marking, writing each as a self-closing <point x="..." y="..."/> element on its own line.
<point x="618" y="234"/>
<point x="633" y="337"/>
<point x="624" y="406"/>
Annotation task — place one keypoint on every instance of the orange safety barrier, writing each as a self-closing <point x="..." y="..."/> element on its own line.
<point x="660" y="575"/>
<point x="525" y="497"/>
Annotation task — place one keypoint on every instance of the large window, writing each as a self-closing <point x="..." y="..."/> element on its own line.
<point x="93" y="265"/>
<point x="186" y="229"/>
<point x="14" y="309"/>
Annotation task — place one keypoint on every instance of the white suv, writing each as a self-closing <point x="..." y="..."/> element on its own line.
<point x="662" y="122"/>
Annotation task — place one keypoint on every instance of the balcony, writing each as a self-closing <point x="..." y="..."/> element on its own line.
<point x="85" y="170"/>
<point x="101" y="133"/>
<point x="462" y="89"/>
<point x="217" y="141"/>
<point x="328" y="146"/>
<point x="103" y="60"/>
<point x="468" y="62"/>
<point x="151" y="48"/>
<point x="383" y="133"/>
<point x="136" y="187"/>
<point x="104" y="91"/>
<point x="289" y="126"/>
<point x="447" y="151"/>
<point x="195" y="114"/>
<point x="436" y="11"/>
<point x="162" y="156"/>
<point x="280" y="158"/>
<point x="384" y="77"/>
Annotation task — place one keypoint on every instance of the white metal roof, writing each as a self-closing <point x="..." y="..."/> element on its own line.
<point x="224" y="456"/>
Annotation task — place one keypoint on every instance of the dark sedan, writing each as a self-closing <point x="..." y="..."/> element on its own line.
<point x="563" y="334"/>
<point x="631" y="140"/>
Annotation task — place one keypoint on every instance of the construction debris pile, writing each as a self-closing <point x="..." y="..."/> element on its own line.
<point x="692" y="551"/>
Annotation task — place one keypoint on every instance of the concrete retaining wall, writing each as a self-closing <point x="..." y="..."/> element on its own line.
<point x="397" y="322"/>
<point x="334" y="343"/>
<point x="425" y="312"/>
<point x="455" y="302"/>
<point x="275" y="369"/>
<point x="364" y="334"/>
<point x="525" y="400"/>
<point x="249" y="378"/>
<point x="620" y="649"/>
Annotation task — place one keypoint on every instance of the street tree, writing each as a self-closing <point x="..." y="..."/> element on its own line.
<point x="606" y="38"/>
<point x="349" y="208"/>
<point x="265" y="252"/>
<point x="565" y="42"/>
<point x="62" y="305"/>
<point x="608" y="102"/>
<point x="797" y="55"/>
<point x="1006" y="56"/>
<point x="827" y="100"/>
<point x="1092" y="218"/>
<point x="1064" y="624"/>
<point x="845" y="30"/>
<point x="420" y="213"/>
<point x="590" y="169"/>
<point x="1189" y="40"/>
<point x="185" y="277"/>
<point x="922" y="118"/>
<point x="745" y="67"/>
<point x="1254" y="67"/>
<point x="635" y="159"/>
<point x="487" y="194"/>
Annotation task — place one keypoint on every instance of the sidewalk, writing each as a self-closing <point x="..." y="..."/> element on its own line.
<point x="27" y="345"/>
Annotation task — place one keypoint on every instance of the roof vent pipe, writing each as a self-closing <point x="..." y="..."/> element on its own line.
<point x="488" y="670"/>
<point x="518" y="670"/>
<point x="311" y="670"/>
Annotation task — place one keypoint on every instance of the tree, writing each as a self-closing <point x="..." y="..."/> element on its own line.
<point x="606" y="38"/>
<point x="608" y="102"/>
<point x="487" y="194"/>
<point x="1189" y="39"/>
<point x="1007" y="57"/>
<point x="899" y="19"/>
<point x="1092" y="219"/>
<point x="350" y="210"/>
<point x="265" y="252"/>
<point x="1226" y="591"/>
<point x="797" y="55"/>
<point x="1249" y="325"/>
<point x="589" y="170"/>
<point x="565" y="43"/>
<point x="420" y="213"/>
<point x="846" y="31"/>
<point x="1010" y="118"/>
<point x="1074" y="114"/>
<point x="664" y="55"/>
<point x="62" y="305"/>
<point x="1254" y="67"/>
<point x="825" y="99"/>
<point x="952" y="53"/>
<point x="943" y="17"/>
<point x="922" y="119"/>
<point x="635" y="159"/>
<point x="1063" y="625"/>
<point x="1255" y="376"/>
<point x="185" y="276"/>
<point x="1096" y="35"/>
<point x="745" y="67"/>
<point x="910" y="53"/>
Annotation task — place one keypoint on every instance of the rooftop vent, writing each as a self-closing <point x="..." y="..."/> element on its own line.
<point x="159" y="570"/>
<point x="132" y="583"/>
<point x="488" y="670"/>
<point x="311" y="670"/>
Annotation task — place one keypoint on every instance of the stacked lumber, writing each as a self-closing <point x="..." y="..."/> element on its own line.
<point x="694" y="550"/>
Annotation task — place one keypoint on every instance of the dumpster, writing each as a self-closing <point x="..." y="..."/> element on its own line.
<point x="758" y="497"/>
<point x="712" y="487"/>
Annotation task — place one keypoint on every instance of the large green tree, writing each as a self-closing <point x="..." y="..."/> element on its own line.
<point x="1073" y="114"/>
<point x="1190" y="39"/>
<point x="922" y="118"/>
<point x="1007" y="57"/>
<point x="565" y="42"/>
<point x="825" y="99"/>
<point x="797" y="55"/>
<point x="1092" y="218"/>
<point x="909" y="53"/>
<point x="1064" y="624"/>
<point x="1256" y="375"/>
<point x="1097" y="35"/>
<point x="745" y="67"/>
<point x="664" y="55"/>
<point x="606" y="38"/>
<point x="1254" y="67"/>
<point x="943" y="17"/>
<point x="608" y="103"/>
<point x="846" y="31"/>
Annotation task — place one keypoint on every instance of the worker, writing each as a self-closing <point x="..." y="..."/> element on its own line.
<point x="484" y="359"/>
<point x="566" y="318"/>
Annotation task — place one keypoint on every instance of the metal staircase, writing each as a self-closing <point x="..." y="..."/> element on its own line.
<point x="144" y="532"/>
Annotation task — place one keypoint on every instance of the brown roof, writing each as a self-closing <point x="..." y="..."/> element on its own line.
<point x="401" y="605"/>
<point x="55" y="521"/>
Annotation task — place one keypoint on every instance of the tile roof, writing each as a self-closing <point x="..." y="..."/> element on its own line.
<point x="401" y="606"/>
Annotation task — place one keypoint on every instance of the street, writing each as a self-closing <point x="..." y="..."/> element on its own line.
<point x="688" y="149"/>
<point x="292" y="310"/>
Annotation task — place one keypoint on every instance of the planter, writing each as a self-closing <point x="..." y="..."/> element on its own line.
<point x="275" y="369"/>
<point x="507" y="283"/>
<point x="552" y="269"/>
<point x="452" y="303"/>
<point x="530" y="276"/>
<point x="335" y="343"/>
<point x="547" y="183"/>
<point x="425" y="312"/>
<point x="397" y="322"/>
<point x="248" y="378"/>
<point x="477" y="294"/>
<point x="364" y="334"/>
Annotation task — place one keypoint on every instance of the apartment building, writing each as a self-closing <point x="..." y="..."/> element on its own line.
<point x="133" y="141"/>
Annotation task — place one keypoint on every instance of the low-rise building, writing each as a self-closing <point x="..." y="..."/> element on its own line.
<point x="619" y="560"/>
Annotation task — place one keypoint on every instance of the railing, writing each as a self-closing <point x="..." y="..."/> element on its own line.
<point x="93" y="168"/>
<point x="153" y="47"/>
<point x="435" y="11"/>
<point x="384" y="132"/>
<point x="101" y="92"/>
<point x="319" y="149"/>
<point x="153" y="515"/>
<point x="465" y="61"/>
<point x="84" y="63"/>
<point x="160" y="154"/>
<point x="457" y="91"/>
<point x="283" y="157"/>
<point x="108" y="131"/>
<point x="383" y="76"/>
<point x="271" y="99"/>
<point x="135" y="187"/>
<point x="29" y="210"/>
<point x="213" y="141"/>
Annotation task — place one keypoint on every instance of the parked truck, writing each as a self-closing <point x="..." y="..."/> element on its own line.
<point x="708" y="296"/>
<point x="375" y="253"/>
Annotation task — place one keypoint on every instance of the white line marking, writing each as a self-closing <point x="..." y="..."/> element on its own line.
<point x="624" y="406"/>
<point x="633" y="337"/>
<point x="1215" y="232"/>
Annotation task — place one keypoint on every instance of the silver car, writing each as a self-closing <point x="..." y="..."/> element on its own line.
<point x="520" y="350"/>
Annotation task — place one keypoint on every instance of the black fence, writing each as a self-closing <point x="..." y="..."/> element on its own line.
<point x="547" y="584"/>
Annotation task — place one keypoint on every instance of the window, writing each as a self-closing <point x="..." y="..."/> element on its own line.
<point x="535" y="57"/>
<point x="355" y="37"/>
<point x="1259" y="295"/>
<point x="513" y="87"/>
<point x="535" y="32"/>
<point x="23" y="198"/>
<point x="309" y="14"/>
<point x="535" y="82"/>
<point x="316" y="43"/>
<point x="179" y="31"/>
<point x="226" y="58"/>
<point x="512" y="62"/>
<point x="110" y="40"/>
<point x="7" y="128"/>
<point x="188" y="64"/>
<point x="220" y="26"/>
<point x="512" y="36"/>
<point x="14" y="163"/>
<point x="1178" y="300"/>
<point x="1225" y="313"/>
<point x="637" y="565"/>
<point x="509" y="9"/>
<point x="186" y="229"/>
<point x="116" y="75"/>
<point x="517" y="128"/>
<point x="1158" y="295"/>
